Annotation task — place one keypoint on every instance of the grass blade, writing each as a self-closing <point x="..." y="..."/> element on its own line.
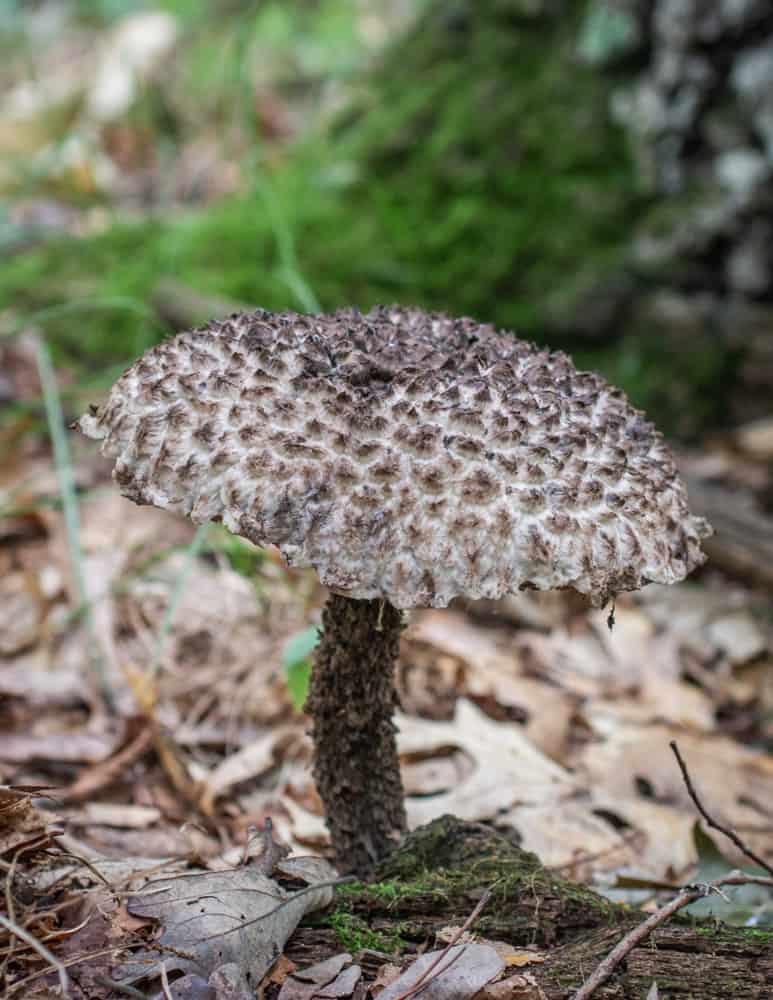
<point x="65" y="479"/>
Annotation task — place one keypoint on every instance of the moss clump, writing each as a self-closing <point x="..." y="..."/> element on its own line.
<point x="440" y="872"/>
<point x="354" y="934"/>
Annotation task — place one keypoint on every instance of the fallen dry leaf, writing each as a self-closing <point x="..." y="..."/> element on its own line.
<point x="62" y="747"/>
<point x="632" y="770"/>
<point x="248" y="763"/>
<point x="15" y="808"/>
<point x="28" y="679"/>
<point x="756" y="439"/>
<point x="486" y="667"/>
<point x="123" y="815"/>
<point x="107" y="771"/>
<point x="516" y="987"/>
<point x="280" y="970"/>
<point x="506" y="768"/>
<point x="192" y="987"/>
<point x="458" y="975"/>
<point x="307" y="983"/>
<point x="564" y="833"/>
<point x="510" y="955"/>
<point x="22" y="610"/>
<point x="386" y="975"/>
<point x="209" y="919"/>
<point x="738" y="636"/>
<point x="342" y="986"/>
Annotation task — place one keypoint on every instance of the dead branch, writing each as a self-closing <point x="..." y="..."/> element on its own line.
<point x="688" y="895"/>
<point x="427" y="976"/>
<point x="727" y="831"/>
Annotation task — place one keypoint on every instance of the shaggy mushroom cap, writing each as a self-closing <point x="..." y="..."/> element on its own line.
<point x="403" y="455"/>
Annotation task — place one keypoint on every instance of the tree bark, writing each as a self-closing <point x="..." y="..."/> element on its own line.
<point x="351" y="701"/>
<point x="437" y="876"/>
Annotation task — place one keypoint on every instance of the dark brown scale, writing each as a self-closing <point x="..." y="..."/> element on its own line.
<point x="480" y="487"/>
<point x="387" y="468"/>
<point x="364" y="450"/>
<point x="345" y="471"/>
<point x="431" y="477"/>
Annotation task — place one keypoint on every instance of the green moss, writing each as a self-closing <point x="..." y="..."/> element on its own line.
<point x="713" y="929"/>
<point x="443" y="868"/>
<point x="354" y="934"/>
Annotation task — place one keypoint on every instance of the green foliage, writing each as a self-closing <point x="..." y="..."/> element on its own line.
<point x="607" y="31"/>
<point x="739" y="906"/>
<point x="496" y="178"/>
<point x="476" y="171"/>
<point x="477" y="187"/>
<point x="297" y="664"/>
<point x="242" y="557"/>
<point x="354" y="934"/>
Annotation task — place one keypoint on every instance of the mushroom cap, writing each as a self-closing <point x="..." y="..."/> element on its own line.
<point x="403" y="455"/>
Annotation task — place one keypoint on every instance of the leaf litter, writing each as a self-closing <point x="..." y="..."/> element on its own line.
<point x="529" y="712"/>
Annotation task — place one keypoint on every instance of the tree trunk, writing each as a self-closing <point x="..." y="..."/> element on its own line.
<point x="351" y="701"/>
<point x="438" y="875"/>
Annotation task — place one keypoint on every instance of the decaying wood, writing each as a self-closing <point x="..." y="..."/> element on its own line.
<point x="440" y="873"/>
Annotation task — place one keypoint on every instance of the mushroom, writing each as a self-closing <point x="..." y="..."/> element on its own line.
<point x="410" y="458"/>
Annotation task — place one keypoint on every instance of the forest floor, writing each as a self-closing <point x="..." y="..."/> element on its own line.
<point x="152" y="675"/>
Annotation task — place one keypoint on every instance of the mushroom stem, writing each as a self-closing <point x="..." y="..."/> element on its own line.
<point x="351" y="701"/>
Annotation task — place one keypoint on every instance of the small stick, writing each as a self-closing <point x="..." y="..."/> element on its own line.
<point x="106" y="772"/>
<point x="730" y="834"/>
<point x="75" y="960"/>
<point x="423" y="981"/>
<point x="165" y="982"/>
<point x="44" y="953"/>
<point x="10" y="908"/>
<point x="626" y="945"/>
<point x="112" y="984"/>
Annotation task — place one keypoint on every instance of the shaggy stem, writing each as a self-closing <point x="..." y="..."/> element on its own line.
<point x="351" y="701"/>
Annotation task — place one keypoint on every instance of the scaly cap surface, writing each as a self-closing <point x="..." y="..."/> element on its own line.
<point x="404" y="455"/>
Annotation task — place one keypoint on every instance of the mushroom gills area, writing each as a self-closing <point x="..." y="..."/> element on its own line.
<point x="351" y="701"/>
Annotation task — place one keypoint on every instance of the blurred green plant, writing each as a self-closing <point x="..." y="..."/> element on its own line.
<point x="243" y="558"/>
<point x="178" y="589"/>
<point x="475" y="171"/>
<point x="296" y="663"/>
<point x="66" y="482"/>
<point x="741" y="906"/>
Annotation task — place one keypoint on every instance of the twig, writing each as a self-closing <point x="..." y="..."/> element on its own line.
<point x="688" y="895"/>
<point x="730" y="834"/>
<point x="10" y="908"/>
<point x="165" y="982"/>
<point x="44" y="953"/>
<point x="112" y="984"/>
<point x="423" y="980"/>
<point x="107" y="771"/>
<point x="91" y="867"/>
<point x="75" y="960"/>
